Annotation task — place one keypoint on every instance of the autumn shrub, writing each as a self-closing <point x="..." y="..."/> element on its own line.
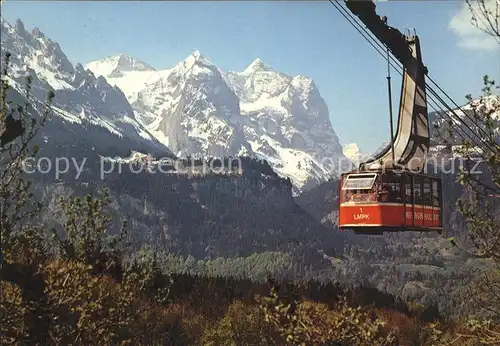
<point x="473" y="331"/>
<point x="11" y="313"/>
<point x="88" y="308"/>
<point x="407" y="328"/>
<point x="241" y="325"/>
<point x="192" y="322"/>
<point x="307" y="322"/>
<point x="86" y="237"/>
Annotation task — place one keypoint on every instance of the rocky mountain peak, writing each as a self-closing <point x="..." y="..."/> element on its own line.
<point x="257" y="66"/>
<point x="116" y="65"/>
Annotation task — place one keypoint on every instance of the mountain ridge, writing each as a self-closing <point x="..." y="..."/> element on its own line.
<point x="198" y="109"/>
<point x="85" y="106"/>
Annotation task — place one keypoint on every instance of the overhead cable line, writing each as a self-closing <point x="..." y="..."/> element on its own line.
<point x="351" y="19"/>
<point x="454" y="103"/>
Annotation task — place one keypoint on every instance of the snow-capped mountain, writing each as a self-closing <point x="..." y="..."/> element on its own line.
<point x="197" y="109"/>
<point x="85" y="108"/>
<point x="113" y="66"/>
<point x="354" y="153"/>
<point x="473" y="121"/>
<point x="469" y="119"/>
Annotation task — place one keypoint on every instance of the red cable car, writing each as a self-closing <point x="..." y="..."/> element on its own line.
<point x="390" y="192"/>
<point x="391" y="201"/>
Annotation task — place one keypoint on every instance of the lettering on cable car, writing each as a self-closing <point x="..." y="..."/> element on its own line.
<point x="361" y="215"/>
<point x="417" y="215"/>
<point x="420" y="216"/>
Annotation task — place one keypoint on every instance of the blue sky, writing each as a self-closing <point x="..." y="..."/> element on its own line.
<point x="309" y="38"/>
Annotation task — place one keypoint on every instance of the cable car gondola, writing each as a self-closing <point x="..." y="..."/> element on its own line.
<point x="375" y="202"/>
<point x="390" y="192"/>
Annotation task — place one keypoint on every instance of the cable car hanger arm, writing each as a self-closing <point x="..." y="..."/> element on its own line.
<point x="391" y="37"/>
<point x="409" y="147"/>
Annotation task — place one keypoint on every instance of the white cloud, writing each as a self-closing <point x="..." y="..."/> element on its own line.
<point x="469" y="36"/>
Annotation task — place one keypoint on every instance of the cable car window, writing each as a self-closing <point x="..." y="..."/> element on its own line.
<point x="391" y="189"/>
<point x="435" y="193"/>
<point x="408" y="189"/>
<point x="360" y="188"/>
<point x="359" y="182"/>
<point x="427" y="196"/>
<point x="359" y="196"/>
<point x="397" y="192"/>
<point x="417" y="190"/>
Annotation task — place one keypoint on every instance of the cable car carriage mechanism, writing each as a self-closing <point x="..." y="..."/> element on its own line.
<point x="391" y="192"/>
